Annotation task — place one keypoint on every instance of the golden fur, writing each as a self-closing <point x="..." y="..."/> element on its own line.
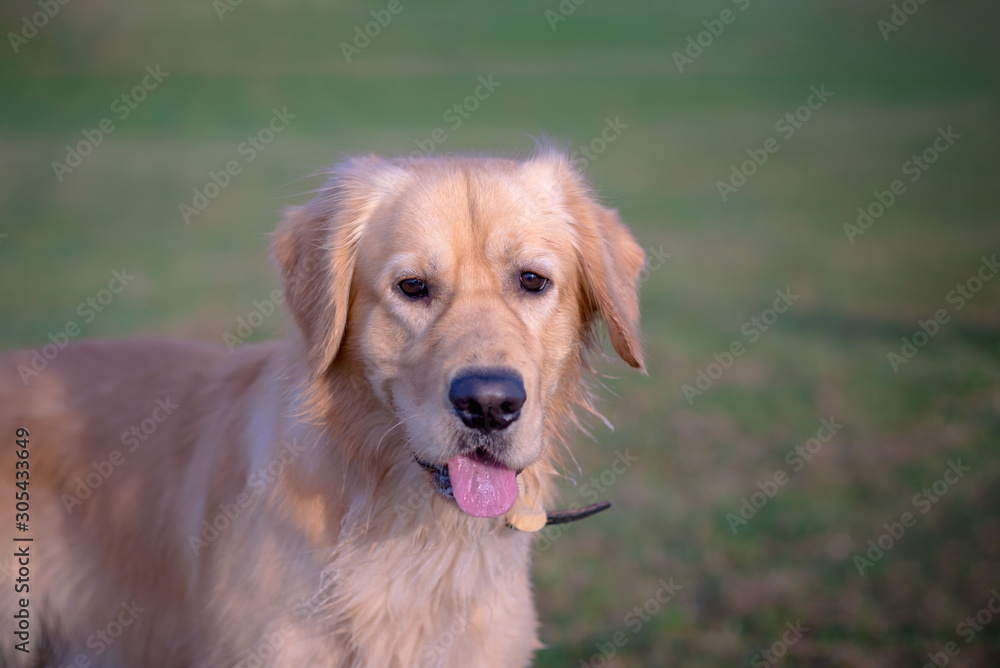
<point x="337" y="551"/>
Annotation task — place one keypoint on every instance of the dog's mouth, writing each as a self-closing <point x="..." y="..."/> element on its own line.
<point x="480" y="486"/>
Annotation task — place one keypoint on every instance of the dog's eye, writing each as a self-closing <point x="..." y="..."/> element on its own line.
<point x="533" y="282"/>
<point x="413" y="288"/>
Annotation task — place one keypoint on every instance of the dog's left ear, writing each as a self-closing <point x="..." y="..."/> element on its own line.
<point x="609" y="258"/>
<point x="316" y="246"/>
<point x="613" y="262"/>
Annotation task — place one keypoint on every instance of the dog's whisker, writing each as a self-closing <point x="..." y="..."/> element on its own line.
<point x="399" y="422"/>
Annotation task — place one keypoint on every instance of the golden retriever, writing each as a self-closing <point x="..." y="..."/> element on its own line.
<point x="351" y="495"/>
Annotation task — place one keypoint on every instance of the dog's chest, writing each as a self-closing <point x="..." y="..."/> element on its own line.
<point x="432" y="599"/>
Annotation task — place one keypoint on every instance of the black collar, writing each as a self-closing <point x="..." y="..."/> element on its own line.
<point x="567" y="516"/>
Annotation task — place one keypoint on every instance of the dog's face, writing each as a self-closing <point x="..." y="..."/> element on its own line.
<point x="465" y="290"/>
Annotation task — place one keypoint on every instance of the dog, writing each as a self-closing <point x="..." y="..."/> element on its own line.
<point x="359" y="493"/>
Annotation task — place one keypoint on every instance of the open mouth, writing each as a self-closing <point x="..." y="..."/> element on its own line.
<point x="480" y="486"/>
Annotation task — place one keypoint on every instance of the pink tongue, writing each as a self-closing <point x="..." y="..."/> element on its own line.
<point x="482" y="489"/>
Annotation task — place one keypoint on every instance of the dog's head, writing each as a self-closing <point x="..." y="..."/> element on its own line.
<point x="464" y="291"/>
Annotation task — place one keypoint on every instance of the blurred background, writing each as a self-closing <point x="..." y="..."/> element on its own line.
<point x="737" y="138"/>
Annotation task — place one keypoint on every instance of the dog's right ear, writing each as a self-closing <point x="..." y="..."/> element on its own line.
<point x="316" y="280"/>
<point x="316" y="246"/>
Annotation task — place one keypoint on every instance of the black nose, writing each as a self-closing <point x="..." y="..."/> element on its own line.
<point x="487" y="400"/>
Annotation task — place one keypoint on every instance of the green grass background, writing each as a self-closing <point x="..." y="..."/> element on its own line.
<point x="784" y="228"/>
